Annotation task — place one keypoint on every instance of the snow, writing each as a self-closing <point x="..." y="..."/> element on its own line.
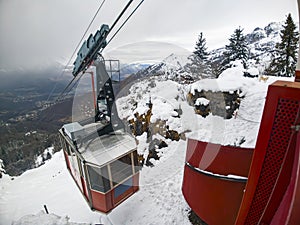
<point x="253" y="71"/>
<point x="163" y="97"/>
<point x="229" y="176"/>
<point x="45" y="219"/>
<point x="48" y="152"/>
<point x="229" y="80"/>
<point x="30" y="133"/>
<point x="202" y="101"/>
<point x="2" y="170"/>
<point x="49" y="185"/>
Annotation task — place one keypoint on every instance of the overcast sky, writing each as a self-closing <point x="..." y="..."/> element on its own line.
<point x="34" y="33"/>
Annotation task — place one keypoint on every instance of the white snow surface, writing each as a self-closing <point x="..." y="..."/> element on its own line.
<point x="202" y="101"/>
<point x="159" y="200"/>
<point x="41" y="158"/>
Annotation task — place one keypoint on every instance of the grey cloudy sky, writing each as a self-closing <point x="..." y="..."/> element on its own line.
<point x="34" y="33"/>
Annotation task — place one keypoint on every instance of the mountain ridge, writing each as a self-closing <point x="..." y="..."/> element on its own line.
<point x="261" y="42"/>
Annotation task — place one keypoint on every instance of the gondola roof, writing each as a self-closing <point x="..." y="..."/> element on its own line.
<point x="100" y="150"/>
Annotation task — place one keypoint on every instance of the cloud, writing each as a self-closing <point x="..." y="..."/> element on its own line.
<point x="35" y="33"/>
<point x="145" y="52"/>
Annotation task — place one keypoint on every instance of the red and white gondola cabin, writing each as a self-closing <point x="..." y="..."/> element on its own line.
<point x="104" y="168"/>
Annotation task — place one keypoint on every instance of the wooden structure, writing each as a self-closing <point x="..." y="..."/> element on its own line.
<point x="105" y="168"/>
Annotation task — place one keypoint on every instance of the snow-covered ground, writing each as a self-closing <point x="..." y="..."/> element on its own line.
<point x="160" y="199"/>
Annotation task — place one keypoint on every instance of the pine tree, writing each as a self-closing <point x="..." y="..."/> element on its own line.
<point x="236" y="50"/>
<point x="284" y="61"/>
<point x="199" y="66"/>
<point x="200" y="48"/>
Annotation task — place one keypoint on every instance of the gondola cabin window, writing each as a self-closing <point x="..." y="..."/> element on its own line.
<point x="99" y="180"/>
<point x="121" y="169"/>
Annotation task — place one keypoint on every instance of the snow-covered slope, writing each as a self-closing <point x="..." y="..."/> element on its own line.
<point x="159" y="200"/>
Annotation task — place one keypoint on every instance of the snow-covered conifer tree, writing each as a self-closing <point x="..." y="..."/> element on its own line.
<point x="200" y="66"/>
<point x="237" y="49"/>
<point x="285" y="58"/>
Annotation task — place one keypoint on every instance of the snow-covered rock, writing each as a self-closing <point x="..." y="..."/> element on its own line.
<point x="46" y="155"/>
<point x="202" y="101"/>
<point x="2" y="170"/>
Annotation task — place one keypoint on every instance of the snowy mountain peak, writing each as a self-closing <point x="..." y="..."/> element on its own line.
<point x="270" y="31"/>
<point x="168" y="67"/>
<point x="257" y="34"/>
<point x="176" y="61"/>
<point x="273" y="28"/>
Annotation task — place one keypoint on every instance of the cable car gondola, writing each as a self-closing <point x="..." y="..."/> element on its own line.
<point x="99" y="154"/>
<point x="105" y="168"/>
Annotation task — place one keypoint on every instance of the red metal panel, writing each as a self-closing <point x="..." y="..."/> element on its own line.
<point x="279" y="114"/>
<point x="288" y="211"/>
<point x="208" y="196"/>
<point x="294" y="216"/>
<point x="219" y="159"/>
<point x="297" y="76"/>
<point x="85" y="192"/>
<point x="67" y="160"/>
<point x="100" y="201"/>
<point x="281" y="184"/>
<point x="109" y="200"/>
<point x="216" y="201"/>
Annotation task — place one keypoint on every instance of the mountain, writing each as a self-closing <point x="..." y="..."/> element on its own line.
<point x="272" y="30"/>
<point x="261" y="42"/>
<point x="172" y="67"/>
<point x="129" y="69"/>
<point x="169" y="65"/>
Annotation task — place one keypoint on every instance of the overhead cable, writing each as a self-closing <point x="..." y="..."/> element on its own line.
<point x="69" y="61"/>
